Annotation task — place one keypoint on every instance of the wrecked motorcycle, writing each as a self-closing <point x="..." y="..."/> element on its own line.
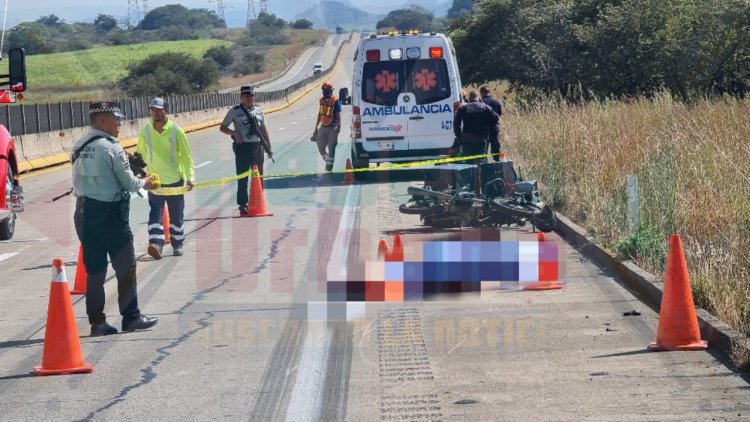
<point x="449" y="198"/>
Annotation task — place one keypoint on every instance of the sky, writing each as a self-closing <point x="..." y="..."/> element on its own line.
<point x="234" y="10"/>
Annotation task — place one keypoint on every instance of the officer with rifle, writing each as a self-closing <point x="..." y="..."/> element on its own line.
<point x="250" y="140"/>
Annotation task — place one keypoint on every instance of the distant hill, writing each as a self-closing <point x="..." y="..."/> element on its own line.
<point x="438" y="8"/>
<point x="328" y="14"/>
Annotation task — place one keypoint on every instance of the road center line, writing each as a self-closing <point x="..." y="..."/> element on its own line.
<point x="203" y="164"/>
<point x="307" y="395"/>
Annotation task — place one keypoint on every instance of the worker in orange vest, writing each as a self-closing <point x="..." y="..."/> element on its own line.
<point x="329" y="120"/>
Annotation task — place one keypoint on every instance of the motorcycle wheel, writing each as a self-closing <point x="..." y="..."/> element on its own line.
<point x="545" y="220"/>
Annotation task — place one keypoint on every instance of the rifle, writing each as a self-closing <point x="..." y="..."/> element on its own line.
<point x="263" y="141"/>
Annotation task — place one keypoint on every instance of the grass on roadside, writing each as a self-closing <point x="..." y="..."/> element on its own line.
<point x="692" y="180"/>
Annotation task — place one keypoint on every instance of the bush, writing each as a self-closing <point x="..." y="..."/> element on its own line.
<point x="302" y="24"/>
<point x="252" y="62"/>
<point x="169" y="74"/>
<point x="645" y="244"/>
<point x="221" y="55"/>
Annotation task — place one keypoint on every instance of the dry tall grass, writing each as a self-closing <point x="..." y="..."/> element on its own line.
<point x="694" y="180"/>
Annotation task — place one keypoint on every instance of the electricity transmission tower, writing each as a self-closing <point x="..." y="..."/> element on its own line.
<point x="252" y="12"/>
<point x="263" y="5"/>
<point x="219" y="8"/>
<point x="134" y="13"/>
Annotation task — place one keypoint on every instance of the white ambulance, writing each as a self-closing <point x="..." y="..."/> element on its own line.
<point x="405" y="89"/>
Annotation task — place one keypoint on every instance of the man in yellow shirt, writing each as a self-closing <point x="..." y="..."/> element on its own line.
<point x="166" y="151"/>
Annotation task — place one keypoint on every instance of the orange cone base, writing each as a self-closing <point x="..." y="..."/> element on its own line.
<point x="260" y="215"/>
<point x="85" y="369"/>
<point x="544" y="286"/>
<point x="699" y="345"/>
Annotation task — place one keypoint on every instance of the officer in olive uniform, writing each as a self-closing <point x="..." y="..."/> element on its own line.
<point x="249" y="125"/>
<point x="102" y="180"/>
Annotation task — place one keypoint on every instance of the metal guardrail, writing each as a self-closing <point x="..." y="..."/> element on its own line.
<point x="23" y="119"/>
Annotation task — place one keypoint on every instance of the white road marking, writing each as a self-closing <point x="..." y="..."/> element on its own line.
<point x="281" y="128"/>
<point x="203" y="164"/>
<point x="5" y="256"/>
<point x="294" y="123"/>
<point x="306" y="401"/>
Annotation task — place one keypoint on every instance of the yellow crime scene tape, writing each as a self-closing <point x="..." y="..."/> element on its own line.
<point x="180" y="190"/>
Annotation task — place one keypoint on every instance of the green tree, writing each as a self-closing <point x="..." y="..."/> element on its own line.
<point x="252" y="62"/>
<point x="180" y="16"/>
<point x="414" y="17"/>
<point x="302" y="24"/>
<point x="169" y="74"/>
<point x="267" y="29"/>
<point x="50" y="20"/>
<point x="105" y="23"/>
<point x="32" y="36"/>
<point x="460" y="7"/>
<point x="221" y="55"/>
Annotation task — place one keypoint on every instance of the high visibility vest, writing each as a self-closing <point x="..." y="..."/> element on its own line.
<point x="172" y="137"/>
<point x="326" y="110"/>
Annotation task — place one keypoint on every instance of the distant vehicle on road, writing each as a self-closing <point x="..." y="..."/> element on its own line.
<point x="317" y="68"/>
<point x="11" y="192"/>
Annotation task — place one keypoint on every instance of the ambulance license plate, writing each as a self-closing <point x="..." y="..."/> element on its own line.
<point x="386" y="146"/>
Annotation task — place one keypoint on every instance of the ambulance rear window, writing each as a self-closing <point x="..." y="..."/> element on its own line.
<point x="384" y="81"/>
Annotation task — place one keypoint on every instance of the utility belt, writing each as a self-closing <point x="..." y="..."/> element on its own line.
<point x="331" y="125"/>
<point x="95" y="211"/>
<point x="243" y="145"/>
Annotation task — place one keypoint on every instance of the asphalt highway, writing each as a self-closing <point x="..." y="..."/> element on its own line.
<point x="245" y="332"/>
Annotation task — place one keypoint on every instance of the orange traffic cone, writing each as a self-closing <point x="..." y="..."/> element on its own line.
<point x="165" y="224"/>
<point x="678" y="323"/>
<point x="257" y="200"/>
<point x="62" y="347"/>
<point x="79" y="287"/>
<point x="397" y="253"/>
<point x="382" y="250"/>
<point x="548" y="272"/>
<point x="348" y="175"/>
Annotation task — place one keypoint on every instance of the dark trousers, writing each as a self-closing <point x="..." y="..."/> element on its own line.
<point x="176" y="207"/>
<point x="103" y="229"/>
<point x="494" y="138"/>
<point x="246" y="155"/>
<point x="474" y="148"/>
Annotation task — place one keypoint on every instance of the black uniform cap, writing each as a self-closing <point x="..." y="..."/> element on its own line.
<point x="247" y="90"/>
<point x="106" y="107"/>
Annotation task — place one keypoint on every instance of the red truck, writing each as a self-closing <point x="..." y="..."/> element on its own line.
<point x="11" y="192"/>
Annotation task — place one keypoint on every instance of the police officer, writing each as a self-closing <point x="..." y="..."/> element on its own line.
<point x="102" y="180"/>
<point x="494" y="135"/>
<point x="472" y="125"/>
<point x="249" y="126"/>
<point x="329" y="120"/>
